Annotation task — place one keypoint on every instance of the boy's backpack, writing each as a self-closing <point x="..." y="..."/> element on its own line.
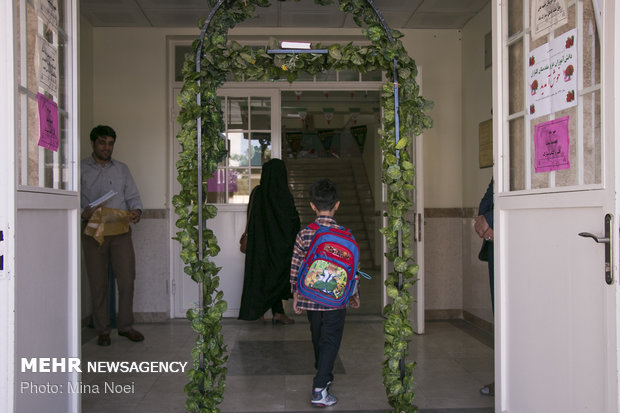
<point x="328" y="273"/>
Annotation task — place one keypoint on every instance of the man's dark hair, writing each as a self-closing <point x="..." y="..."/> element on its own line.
<point x="102" y="130"/>
<point x="323" y="194"/>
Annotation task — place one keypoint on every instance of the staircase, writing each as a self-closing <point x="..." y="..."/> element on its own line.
<point x="356" y="211"/>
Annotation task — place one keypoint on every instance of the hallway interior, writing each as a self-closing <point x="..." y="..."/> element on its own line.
<point x="270" y="368"/>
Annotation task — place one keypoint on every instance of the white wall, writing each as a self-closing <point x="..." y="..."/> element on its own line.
<point x="438" y="52"/>
<point x="86" y="85"/>
<point x="477" y="107"/>
<point x="130" y="94"/>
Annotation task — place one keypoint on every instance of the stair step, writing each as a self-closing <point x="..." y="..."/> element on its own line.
<point x="356" y="201"/>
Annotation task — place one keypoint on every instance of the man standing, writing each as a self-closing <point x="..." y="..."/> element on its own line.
<point x="483" y="224"/>
<point x="101" y="174"/>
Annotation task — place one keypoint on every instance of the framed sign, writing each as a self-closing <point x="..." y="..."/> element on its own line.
<point x="485" y="143"/>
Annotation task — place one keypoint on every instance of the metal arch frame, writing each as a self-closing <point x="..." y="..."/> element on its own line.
<point x="203" y="33"/>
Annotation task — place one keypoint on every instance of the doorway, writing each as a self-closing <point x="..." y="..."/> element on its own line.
<point x="265" y="123"/>
<point x="331" y="117"/>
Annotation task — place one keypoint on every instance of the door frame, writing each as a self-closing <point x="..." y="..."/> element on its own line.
<point x="31" y="200"/>
<point x="7" y="208"/>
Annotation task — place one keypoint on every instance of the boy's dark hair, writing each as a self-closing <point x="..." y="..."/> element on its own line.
<point x="323" y="194"/>
<point x="102" y="130"/>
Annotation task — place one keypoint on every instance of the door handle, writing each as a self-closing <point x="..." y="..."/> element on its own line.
<point x="601" y="240"/>
<point x="417" y="227"/>
<point x="420" y="227"/>
<point x="607" y="240"/>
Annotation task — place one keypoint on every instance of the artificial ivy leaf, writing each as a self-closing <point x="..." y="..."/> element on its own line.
<point x="400" y="265"/>
<point x="392" y="292"/>
<point x="335" y="52"/>
<point x="407" y="166"/>
<point x="210" y="211"/>
<point x="402" y="143"/>
<point x="357" y="60"/>
<point x="393" y="172"/>
<point x="374" y="33"/>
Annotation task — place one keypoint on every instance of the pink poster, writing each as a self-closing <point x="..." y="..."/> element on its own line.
<point x="48" y="123"/>
<point x="217" y="183"/>
<point x="551" y="145"/>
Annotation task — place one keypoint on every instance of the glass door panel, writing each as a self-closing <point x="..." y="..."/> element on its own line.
<point x="553" y="90"/>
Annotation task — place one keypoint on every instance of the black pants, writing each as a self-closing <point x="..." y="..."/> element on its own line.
<point x="277" y="307"/>
<point x="326" y="328"/>
<point x="492" y="275"/>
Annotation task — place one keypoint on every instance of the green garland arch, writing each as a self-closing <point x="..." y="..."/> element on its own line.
<point x="202" y="124"/>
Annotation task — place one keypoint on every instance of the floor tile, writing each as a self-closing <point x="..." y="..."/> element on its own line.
<point x="270" y="368"/>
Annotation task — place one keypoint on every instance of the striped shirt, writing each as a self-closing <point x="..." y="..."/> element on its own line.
<point x="302" y="244"/>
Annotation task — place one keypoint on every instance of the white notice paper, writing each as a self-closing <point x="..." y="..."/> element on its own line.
<point x="552" y="76"/>
<point x="48" y="67"/>
<point x="102" y="199"/>
<point x="547" y="15"/>
<point x="48" y="11"/>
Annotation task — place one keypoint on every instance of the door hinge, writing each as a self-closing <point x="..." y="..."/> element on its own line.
<point x="1" y="250"/>
<point x="174" y="287"/>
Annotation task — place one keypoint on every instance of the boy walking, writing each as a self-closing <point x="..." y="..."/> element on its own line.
<point x="326" y="323"/>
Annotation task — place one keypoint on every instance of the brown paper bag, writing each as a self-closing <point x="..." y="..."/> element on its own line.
<point x="107" y="221"/>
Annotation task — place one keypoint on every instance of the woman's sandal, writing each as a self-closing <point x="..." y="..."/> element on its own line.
<point x="282" y="319"/>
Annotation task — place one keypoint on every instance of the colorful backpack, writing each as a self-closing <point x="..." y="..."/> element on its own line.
<point x="328" y="273"/>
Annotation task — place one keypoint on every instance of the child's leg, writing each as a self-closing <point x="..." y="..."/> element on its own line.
<point x="326" y="328"/>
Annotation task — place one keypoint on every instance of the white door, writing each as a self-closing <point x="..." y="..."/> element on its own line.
<point x="416" y="217"/>
<point x="417" y="316"/>
<point x="252" y="119"/>
<point x="556" y="323"/>
<point x="418" y="309"/>
<point x="39" y="211"/>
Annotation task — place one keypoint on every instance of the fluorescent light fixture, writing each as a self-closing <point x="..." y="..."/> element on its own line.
<point x="296" y="45"/>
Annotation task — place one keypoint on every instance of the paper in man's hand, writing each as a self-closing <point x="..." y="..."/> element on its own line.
<point x="102" y="199"/>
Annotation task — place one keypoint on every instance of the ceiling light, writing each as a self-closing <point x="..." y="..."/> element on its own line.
<point x="296" y="45"/>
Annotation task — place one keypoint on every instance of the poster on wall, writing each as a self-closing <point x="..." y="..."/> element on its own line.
<point x="485" y="143"/>
<point x="48" y="12"/>
<point x="552" y="76"/>
<point x="48" y="123"/>
<point x="552" y="145"/>
<point x="217" y="183"/>
<point x="48" y="67"/>
<point x="547" y="15"/>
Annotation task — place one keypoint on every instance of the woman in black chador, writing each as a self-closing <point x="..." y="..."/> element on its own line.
<point x="273" y="223"/>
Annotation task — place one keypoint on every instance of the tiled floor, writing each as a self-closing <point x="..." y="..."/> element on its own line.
<point x="271" y="368"/>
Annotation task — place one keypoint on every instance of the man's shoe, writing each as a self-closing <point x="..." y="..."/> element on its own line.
<point x="322" y="398"/>
<point x="132" y="334"/>
<point x="488" y="390"/>
<point x="104" y="340"/>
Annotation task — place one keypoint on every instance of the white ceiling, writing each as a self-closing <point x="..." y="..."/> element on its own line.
<point x="399" y="14"/>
